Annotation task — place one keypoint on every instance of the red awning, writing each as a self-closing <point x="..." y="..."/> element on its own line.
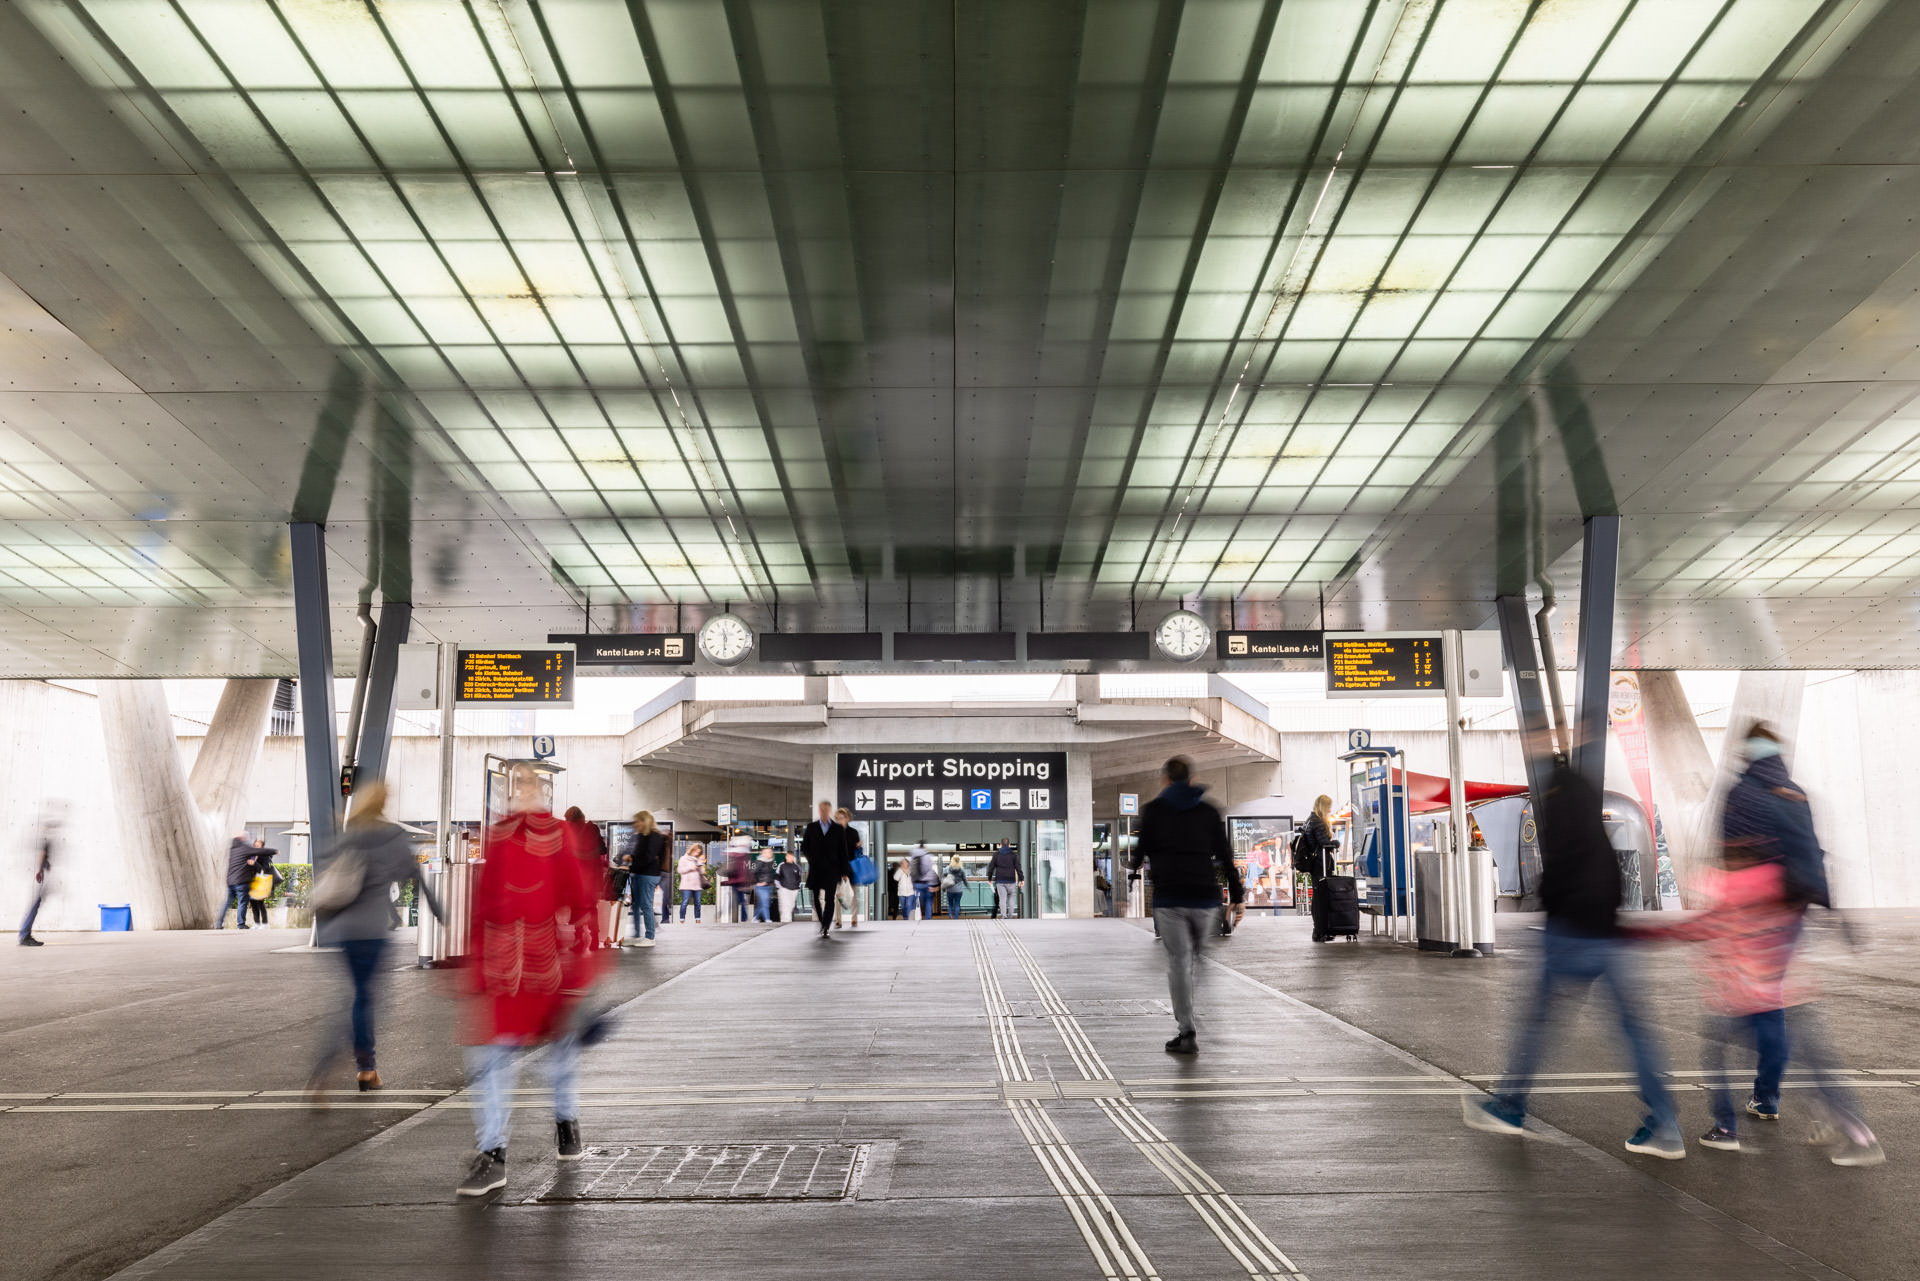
<point x="1427" y="792"/>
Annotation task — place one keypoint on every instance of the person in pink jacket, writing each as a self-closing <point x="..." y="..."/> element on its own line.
<point x="1750" y="932"/>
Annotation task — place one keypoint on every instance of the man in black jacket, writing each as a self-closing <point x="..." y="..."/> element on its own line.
<point x="239" y="872"/>
<point x="823" y="843"/>
<point x="1183" y="841"/>
<point x="1580" y="889"/>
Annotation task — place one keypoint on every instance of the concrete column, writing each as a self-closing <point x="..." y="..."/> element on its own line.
<point x="826" y="781"/>
<point x="1682" y="776"/>
<point x="223" y="771"/>
<point x="1080" y="898"/>
<point x="174" y="862"/>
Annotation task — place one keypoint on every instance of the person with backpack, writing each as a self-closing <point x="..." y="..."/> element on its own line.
<point x="926" y="878"/>
<point x="1183" y="843"/>
<point x="1580" y="889"/>
<point x="1772" y="870"/>
<point x="1313" y="852"/>
<point x="351" y="895"/>
<point x="1003" y="870"/>
<point x="955" y="883"/>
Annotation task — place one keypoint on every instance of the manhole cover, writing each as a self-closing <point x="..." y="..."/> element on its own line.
<point x="713" y="1172"/>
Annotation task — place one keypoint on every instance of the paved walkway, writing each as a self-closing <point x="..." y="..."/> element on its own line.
<point x="981" y="1100"/>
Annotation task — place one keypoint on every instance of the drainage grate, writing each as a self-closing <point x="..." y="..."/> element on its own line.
<point x="1092" y="1009"/>
<point x="713" y="1172"/>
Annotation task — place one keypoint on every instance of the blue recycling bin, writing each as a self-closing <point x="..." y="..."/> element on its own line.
<point x="116" y="918"/>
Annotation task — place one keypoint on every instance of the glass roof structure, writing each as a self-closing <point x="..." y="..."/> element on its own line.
<point x="849" y="314"/>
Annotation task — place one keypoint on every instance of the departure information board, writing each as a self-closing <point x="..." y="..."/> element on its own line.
<point x="538" y="676"/>
<point x="1383" y="664"/>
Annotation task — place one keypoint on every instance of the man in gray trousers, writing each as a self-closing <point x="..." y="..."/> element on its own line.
<point x="1183" y="841"/>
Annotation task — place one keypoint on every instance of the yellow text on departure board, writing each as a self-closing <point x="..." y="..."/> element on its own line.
<point x="516" y="676"/>
<point x="1383" y="664"/>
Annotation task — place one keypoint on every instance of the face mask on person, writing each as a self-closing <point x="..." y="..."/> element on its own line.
<point x="1758" y="749"/>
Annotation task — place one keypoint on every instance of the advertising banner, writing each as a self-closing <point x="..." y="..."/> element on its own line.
<point x="1627" y="719"/>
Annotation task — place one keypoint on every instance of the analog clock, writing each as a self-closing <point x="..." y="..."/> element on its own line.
<point x="1183" y="634"/>
<point x="726" y="640"/>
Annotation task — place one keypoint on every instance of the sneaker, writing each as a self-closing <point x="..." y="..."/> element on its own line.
<point x="487" y="1171"/>
<point x="1491" y="1115"/>
<point x="644" y="943"/>
<point x="1759" y="1110"/>
<point x="1859" y="1152"/>
<point x="1668" y="1147"/>
<point x="1722" y="1138"/>
<point x="31" y="941"/>
<point x="1825" y="1135"/>
<point x="566" y="1140"/>
<point x="1184" y="1043"/>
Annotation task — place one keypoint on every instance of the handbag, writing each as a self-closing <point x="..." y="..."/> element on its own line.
<point x="340" y="881"/>
<point x="844" y="897"/>
<point x="863" y="872"/>
<point x="260" y="888"/>
<point x="947" y="882"/>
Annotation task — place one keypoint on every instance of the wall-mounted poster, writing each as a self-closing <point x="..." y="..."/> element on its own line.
<point x="1260" y="849"/>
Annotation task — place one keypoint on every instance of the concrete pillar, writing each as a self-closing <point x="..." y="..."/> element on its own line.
<point x="1080" y="897"/>
<point x="175" y="863"/>
<point x="223" y="771"/>
<point x="826" y="781"/>
<point x="1682" y="776"/>
<point x="1774" y="697"/>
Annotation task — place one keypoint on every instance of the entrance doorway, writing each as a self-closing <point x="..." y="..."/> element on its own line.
<point x="974" y="841"/>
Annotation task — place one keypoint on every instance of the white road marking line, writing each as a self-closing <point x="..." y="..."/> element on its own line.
<point x="1115" y="1250"/>
<point x="1251" y="1248"/>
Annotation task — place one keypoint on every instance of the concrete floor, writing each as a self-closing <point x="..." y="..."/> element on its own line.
<point x="967" y="1100"/>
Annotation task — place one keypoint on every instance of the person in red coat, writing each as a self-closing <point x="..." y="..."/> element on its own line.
<point x="532" y="959"/>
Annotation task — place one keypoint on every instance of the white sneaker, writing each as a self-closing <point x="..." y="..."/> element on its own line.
<point x="1859" y="1152"/>
<point x="643" y="943"/>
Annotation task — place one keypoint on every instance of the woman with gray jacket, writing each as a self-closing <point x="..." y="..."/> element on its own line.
<point x="360" y="928"/>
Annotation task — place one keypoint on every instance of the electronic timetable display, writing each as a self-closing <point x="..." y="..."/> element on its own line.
<point x="536" y="676"/>
<point x="1382" y="664"/>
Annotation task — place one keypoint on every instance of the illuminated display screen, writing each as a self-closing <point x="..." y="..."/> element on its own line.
<point x="1384" y="663"/>
<point x="535" y="677"/>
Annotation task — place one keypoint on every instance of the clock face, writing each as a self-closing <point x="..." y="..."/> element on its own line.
<point x="726" y="639"/>
<point x="1182" y="635"/>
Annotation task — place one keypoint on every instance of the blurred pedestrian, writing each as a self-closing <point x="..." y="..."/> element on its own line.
<point x="1003" y="869"/>
<point x="906" y="902"/>
<point x="787" y="877"/>
<point x="532" y="944"/>
<point x="764" y="873"/>
<point x="926" y="878"/>
<point x="955" y="882"/>
<point x="693" y="879"/>
<point x="1580" y="890"/>
<point x="239" y="872"/>
<point x="648" y="865"/>
<point x="848" y="896"/>
<point x="1183" y="842"/>
<point x="1772" y="870"/>
<point x="42" y="880"/>
<point x="264" y="879"/>
<point x="584" y="839"/>
<point x="351" y="895"/>
<point x="738" y="878"/>
<point x="824" y="845"/>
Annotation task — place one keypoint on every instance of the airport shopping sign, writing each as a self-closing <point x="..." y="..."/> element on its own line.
<point x="948" y="785"/>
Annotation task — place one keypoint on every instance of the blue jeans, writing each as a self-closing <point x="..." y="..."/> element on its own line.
<point x="492" y="1070"/>
<point x="363" y="963"/>
<point x="237" y="900"/>
<point x="1768" y="1031"/>
<point x="686" y="897"/>
<point x="953" y="902"/>
<point x="925" y="894"/>
<point x="763" y="902"/>
<point x="33" y="910"/>
<point x="1576" y="959"/>
<point x="644" y="889"/>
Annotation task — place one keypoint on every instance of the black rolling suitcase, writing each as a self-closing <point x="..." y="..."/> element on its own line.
<point x="1336" y="908"/>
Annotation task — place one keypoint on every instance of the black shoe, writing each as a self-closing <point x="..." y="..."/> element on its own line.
<point x="1183" y="1044"/>
<point x="31" y="941"/>
<point x="487" y="1171"/>
<point x="567" y="1140"/>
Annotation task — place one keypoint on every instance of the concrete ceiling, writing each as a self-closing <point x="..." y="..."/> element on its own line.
<point x="938" y="316"/>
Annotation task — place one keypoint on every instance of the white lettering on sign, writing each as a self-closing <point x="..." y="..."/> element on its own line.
<point x="953" y="767"/>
